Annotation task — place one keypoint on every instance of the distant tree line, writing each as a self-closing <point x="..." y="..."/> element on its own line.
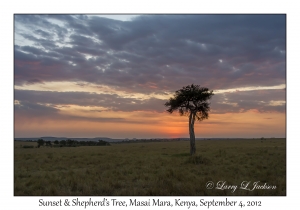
<point x="71" y="143"/>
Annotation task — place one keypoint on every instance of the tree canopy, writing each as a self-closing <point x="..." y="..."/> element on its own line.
<point x="191" y="98"/>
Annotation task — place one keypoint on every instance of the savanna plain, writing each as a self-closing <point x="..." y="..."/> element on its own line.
<point x="150" y="169"/>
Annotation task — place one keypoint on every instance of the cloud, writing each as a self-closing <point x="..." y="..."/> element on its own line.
<point x="33" y="111"/>
<point x="32" y="114"/>
<point x="111" y="102"/>
<point x="233" y="102"/>
<point x="242" y="101"/>
<point x="34" y="80"/>
<point x="167" y="51"/>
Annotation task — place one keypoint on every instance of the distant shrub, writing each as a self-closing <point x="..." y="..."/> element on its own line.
<point x="48" y="143"/>
<point x="103" y="143"/>
<point x="63" y="142"/>
<point x="40" y="142"/>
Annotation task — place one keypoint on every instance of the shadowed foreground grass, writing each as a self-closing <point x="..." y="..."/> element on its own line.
<point x="148" y="169"/>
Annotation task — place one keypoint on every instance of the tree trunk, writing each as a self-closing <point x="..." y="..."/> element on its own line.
<point x="192" y="133"/>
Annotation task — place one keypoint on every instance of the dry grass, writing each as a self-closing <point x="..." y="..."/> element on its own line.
<point x="158" y="168"/>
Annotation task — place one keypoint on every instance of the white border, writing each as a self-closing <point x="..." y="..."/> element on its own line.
<point x="8" y="201"/>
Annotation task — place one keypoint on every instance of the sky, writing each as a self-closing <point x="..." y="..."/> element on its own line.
<point x="109" y="76"/>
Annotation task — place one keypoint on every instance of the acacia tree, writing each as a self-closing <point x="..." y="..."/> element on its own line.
<point x="40" y="142"/>
<point x="191" y="101"/>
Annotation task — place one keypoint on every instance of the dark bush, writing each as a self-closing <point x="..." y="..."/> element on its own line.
<point x="40" y="142"/>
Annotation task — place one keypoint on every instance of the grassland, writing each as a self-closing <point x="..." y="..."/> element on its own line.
<point x="149" y="169"/>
